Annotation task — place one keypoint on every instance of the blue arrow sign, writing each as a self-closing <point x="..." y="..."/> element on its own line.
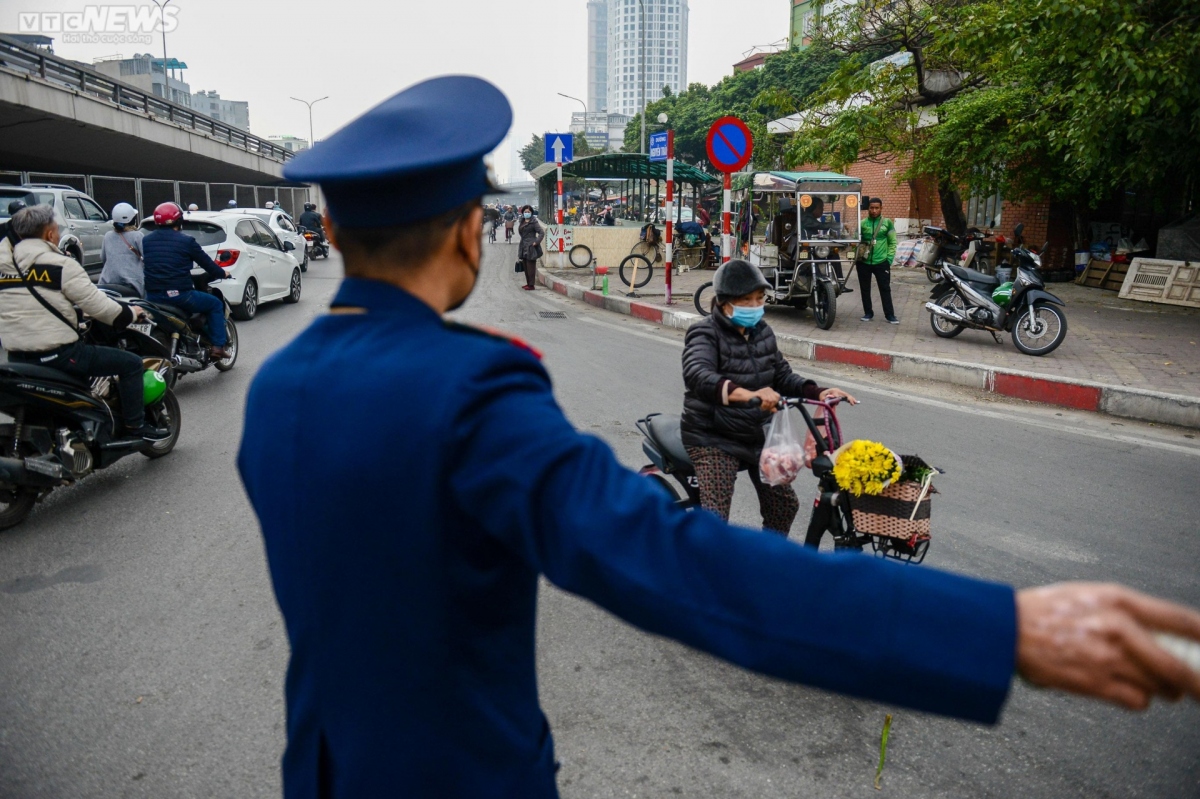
<point x="560" y="148"/>
<point x="658" y="146"/>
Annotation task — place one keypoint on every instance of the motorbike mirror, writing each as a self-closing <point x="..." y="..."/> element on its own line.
<point x="1019" y="229"/>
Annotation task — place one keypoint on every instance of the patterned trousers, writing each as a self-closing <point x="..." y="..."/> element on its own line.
<point x="716" y="472"/>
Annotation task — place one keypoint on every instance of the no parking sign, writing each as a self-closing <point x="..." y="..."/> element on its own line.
<point x="730" y="147"/>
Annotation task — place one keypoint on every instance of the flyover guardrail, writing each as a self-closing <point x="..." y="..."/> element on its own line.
<point x="71" y="75"/>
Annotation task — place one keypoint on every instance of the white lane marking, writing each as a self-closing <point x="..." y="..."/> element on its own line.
<point x="639" y="333"/>
<point x="841" y="382"/>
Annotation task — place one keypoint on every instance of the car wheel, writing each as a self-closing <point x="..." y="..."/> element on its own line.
<point x="294" y="289"/>
<point x="249" y="307"/>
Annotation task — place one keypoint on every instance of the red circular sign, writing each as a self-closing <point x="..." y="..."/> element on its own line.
<point x="730" y="144"/>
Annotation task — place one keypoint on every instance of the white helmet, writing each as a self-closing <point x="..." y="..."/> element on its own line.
<point x="193" y="207"/>
<point x="270" y="205"/>
<point x="123" y="214"/>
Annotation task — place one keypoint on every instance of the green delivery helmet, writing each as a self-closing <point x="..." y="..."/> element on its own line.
<point x="153" y="387"/>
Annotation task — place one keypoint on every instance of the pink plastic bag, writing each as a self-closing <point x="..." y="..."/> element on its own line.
<point x="783" y="455"/>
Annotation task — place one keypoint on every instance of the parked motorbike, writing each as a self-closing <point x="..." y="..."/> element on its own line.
<point x="966" y="298"/>
<point x="315" y="243"/>
<point x="169" y="333"/>
<point x="63" y="429"/>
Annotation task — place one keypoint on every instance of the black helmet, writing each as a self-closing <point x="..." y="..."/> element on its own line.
<point x="14" y="206"/>
<point x="310" y="206"/>
<point x="737" y="278"/>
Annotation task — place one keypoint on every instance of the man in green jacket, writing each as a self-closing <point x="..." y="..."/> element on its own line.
<point x="879" y="236"/>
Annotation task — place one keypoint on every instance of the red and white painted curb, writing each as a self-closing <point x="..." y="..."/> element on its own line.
<point x="1084" y="395"/>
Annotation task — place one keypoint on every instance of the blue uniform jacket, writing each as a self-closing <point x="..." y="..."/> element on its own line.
<point x="169" y="255"/>
<point x="413" y="479"/>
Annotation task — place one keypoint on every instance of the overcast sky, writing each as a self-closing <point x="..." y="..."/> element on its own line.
<point x="359" y="52"/>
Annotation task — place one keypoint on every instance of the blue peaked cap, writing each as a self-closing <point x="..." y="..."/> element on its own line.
<point x="414" y="156"/>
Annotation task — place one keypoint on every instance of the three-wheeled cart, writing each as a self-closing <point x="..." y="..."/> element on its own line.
<point x="801" y="229"/>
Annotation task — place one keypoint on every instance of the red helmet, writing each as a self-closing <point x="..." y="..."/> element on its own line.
<point x="167" y="214"/>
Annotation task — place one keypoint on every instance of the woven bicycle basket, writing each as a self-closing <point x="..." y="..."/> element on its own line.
<point x="891" y="513"/>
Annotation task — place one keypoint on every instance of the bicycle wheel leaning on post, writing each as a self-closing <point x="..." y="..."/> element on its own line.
<point x="636" y="270"/>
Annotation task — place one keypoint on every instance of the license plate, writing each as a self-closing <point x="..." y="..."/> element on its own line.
<point x="142" y="327"/>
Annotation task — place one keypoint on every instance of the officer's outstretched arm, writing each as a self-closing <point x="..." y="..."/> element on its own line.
<point x="916" y="637"/>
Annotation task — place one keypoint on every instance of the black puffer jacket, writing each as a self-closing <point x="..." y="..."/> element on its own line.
<point x="717" y="358"/>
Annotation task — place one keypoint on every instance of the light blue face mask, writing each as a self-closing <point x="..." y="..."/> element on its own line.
<point x="747" y="316"/>
<point x="527" y="215"/>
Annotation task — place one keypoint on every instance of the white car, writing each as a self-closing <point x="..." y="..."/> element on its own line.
<point x="283" y="227"/>
<point x="261" y="267"/>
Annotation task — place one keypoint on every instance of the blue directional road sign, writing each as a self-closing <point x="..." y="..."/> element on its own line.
<point x="560" y="148"/>
<point x="658" y="146"/>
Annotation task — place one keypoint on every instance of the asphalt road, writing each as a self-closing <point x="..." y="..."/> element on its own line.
<point x="142" y="654"/>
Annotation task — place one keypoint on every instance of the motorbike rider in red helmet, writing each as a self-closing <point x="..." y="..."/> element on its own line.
<point x="169" y="255"/>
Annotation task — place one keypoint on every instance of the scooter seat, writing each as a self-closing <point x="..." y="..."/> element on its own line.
<point x="971" y="276"/>
<point x="34" y="372"/>
<point x="664" y="429"/>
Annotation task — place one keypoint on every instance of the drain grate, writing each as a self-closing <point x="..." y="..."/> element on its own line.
<point x="552" y="314"/>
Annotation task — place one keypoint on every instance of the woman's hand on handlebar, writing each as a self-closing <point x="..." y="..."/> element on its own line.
<point x="770" y="399"/>
<point x="765" y="398"/>
<point x="835" y="395"/>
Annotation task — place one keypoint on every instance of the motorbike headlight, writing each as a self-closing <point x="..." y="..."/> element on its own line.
<point x="822" y="251"/>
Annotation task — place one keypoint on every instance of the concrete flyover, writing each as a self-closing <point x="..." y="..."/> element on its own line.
<point x="61" y="116"/>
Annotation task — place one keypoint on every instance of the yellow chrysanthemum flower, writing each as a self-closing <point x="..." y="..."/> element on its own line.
<point x="865" y="467"/>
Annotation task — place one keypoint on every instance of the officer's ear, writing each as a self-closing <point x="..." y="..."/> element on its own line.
<point x="470" y="234"/>
<point x="330" y="230"/>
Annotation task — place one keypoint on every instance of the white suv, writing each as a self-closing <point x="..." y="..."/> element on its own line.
<point x="261" y="267"/>
<point x="82" y="222"/>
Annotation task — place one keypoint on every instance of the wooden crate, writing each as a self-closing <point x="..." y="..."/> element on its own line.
<point x="1107" y="275"/>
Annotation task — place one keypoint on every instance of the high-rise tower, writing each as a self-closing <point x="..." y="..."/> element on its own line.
<point x="597" y="91"/>
<point x="666" y="26"/>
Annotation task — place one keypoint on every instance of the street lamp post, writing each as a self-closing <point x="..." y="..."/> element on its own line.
<point x="162" y="22"/>
<point x="585" y="111"/>
<point x="311" y="141"/>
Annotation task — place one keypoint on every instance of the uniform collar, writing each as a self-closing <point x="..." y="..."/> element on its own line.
<point x="375" y="296"/>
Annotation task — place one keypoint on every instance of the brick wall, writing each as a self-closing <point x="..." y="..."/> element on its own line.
<point x="918" y="200"/>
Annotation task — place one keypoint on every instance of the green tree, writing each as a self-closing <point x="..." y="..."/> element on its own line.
<point x="887" y="92"/>
<point x="533" y="154"/>
<point x="1050" y="99"/>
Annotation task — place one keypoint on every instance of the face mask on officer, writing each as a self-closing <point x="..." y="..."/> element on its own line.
<point x="470" y="237"/>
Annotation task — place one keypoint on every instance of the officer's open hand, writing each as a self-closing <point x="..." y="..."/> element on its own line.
<point x="1096" y="639"/>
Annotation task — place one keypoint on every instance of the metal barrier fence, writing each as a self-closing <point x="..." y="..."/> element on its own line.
<point x="77" y="77"/>
<point x="145" y="193"/>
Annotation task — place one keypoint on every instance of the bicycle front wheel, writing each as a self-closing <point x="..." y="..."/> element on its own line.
<point x="703" y="298"/>
<point x="651" y="253"/>
<point x="635" y="268"/>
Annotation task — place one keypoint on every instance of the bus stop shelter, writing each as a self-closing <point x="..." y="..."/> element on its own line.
<point x="644" y="181"/>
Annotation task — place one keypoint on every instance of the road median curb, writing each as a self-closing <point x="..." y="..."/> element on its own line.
<point x="1084" y="395"/>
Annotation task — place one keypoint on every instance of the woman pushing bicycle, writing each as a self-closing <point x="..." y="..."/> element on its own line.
<point x="730" y="358"/>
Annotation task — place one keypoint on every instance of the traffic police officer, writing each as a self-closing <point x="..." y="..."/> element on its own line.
<point x="414" y="477"/>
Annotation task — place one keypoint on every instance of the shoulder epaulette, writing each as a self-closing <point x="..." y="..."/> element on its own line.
<point x="498" y="335"/>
